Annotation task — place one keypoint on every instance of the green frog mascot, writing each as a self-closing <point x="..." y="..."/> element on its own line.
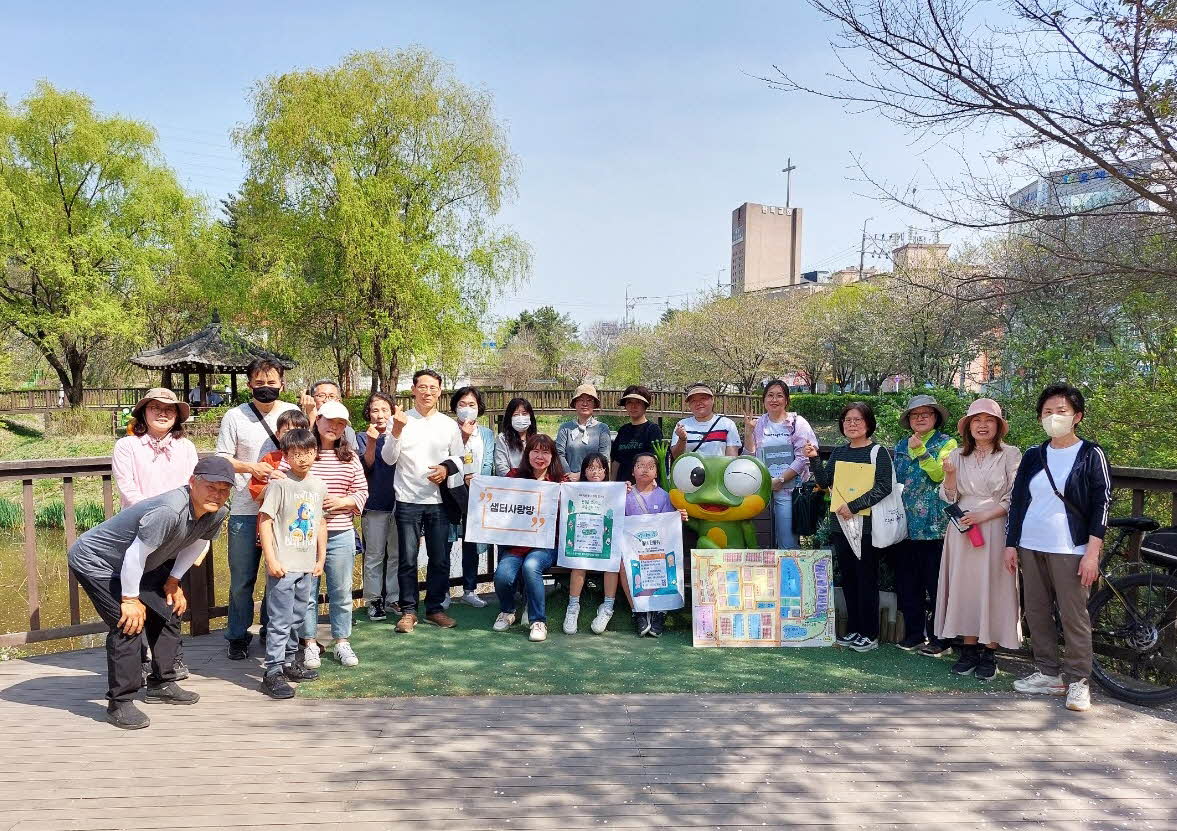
<point x="721" y="495"/>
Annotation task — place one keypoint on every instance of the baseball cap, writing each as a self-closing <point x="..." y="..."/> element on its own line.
<point x="215" y="469"/>
<point x="333" y="409"/>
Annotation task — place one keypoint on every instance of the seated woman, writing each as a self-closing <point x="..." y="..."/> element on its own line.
<point x="594" y="468"/>
<point x="539" y="462"/>
<point x="645" y="497"/>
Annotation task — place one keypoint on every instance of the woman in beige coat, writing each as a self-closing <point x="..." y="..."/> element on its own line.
<point x="977" y="597"/>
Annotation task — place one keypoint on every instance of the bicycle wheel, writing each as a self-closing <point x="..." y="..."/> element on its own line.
<point x="1134" y="637"/>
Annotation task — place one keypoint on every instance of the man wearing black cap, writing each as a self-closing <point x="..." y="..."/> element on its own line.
<point x="131" y="565"/>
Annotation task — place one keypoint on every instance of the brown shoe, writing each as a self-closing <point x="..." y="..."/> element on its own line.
<point x="407" y="623"/>
<point x="441" y="619"/>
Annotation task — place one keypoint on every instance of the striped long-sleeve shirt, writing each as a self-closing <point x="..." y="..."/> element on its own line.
<point x="343" y="479"/>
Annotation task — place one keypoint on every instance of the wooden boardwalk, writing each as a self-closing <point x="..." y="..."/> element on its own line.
<point x="239" y="760"/>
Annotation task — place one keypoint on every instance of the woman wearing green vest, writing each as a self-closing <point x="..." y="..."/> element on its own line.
<point x="919" y="467"/>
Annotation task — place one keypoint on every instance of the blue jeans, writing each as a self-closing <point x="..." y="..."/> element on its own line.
<point x="414" y="521"/>
<point x="533" y="566"/>
<point x="782" y="518"/>
<point x="341" y="561"/>
<point x="287" y="599"/>
<point x="244" y="557"/>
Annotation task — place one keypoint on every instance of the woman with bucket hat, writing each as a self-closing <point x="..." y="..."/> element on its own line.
<point x="977" y="595"/>
<point x="919" y="467"/>
<point x="576" y="439"/>
<point x="156" y="457"/>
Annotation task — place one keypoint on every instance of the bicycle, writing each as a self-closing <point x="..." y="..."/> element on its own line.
<point x="1134" y="617"/>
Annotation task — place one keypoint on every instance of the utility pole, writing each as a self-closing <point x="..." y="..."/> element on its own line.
<point x="788" y="171"/>
<point x="719" y="280"/>
<point x="862" y="248"/>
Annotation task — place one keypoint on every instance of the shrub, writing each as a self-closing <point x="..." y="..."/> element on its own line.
<point x="86" y="514"/>
<point x="11" y="515"/>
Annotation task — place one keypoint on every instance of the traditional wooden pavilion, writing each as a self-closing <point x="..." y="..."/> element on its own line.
<point x="211" y="351"/>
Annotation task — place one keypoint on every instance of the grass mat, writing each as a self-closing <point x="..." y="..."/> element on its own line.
<point x="473" y="660"/>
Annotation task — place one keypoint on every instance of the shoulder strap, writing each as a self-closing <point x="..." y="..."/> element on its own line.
<point x="266" y="426"/>
<point x="641" y="499"/>
<point x="706" y="432"/>
<point x="1070" y="506"/>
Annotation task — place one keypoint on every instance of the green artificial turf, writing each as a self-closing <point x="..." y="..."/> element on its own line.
<point x="473" y="660"/>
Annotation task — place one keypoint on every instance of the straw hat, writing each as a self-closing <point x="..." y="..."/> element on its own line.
<point x="163" y="396"/>
<point x="584" y="389"/>
<point x="986" y="406"/>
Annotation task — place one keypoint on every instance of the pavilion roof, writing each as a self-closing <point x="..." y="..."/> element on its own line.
<point x="212" y="349"/>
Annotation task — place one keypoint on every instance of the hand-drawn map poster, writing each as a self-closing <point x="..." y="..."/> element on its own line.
<point x="762" y="598"/>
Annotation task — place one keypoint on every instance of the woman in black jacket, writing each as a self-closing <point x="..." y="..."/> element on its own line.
<point x="860" y="575"/>
<point x="1057" y="517"/>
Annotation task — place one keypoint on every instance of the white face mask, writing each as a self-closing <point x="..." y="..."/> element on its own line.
<point x="467" y="413"/>
<point x="520" y="422"/>
<point x="1057" y="426"/>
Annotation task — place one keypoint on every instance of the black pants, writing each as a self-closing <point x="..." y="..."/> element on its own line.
<point x="860" y="585"/>
<point x="124" y="662"/>
<point x="414" y="521"/>
<point x="917" y="573"/>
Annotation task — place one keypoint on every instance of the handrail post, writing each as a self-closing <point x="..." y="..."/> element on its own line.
<point x="196" y="583"/>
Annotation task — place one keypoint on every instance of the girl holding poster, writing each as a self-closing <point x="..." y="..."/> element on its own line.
<point x="645" y="497"/>
<point x="539" y="462"/>
<point x="594" y="468"/>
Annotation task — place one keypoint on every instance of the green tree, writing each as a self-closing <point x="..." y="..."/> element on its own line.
<point x="375" y="183"/>
<point x="553" y="334"/>
<point x="90" y="219"/>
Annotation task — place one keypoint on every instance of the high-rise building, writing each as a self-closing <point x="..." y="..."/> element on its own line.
<point x="766" y="247"/>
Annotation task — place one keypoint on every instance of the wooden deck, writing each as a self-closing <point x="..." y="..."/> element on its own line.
<point x="239" y="760"/>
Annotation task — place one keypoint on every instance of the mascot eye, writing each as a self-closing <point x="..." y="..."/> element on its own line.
<point x="688" y="474"/>
<point x="742" y="478"/>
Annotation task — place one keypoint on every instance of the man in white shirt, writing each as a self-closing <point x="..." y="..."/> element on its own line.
<point x="246" y="436"/>
<point x="703" y="432"/>
<point x="426" y="447"/>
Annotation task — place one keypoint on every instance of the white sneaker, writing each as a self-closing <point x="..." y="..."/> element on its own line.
<point x="503" y="621"/>
<point x="571" y="619"/>
<point x="472" y="599"/>
<point x="1079" y="696"/>
<point x="539" y="632"/>
<point x="601" y="619"/>
<point x="1039" y="684"/>
<point x="445" y="604"/>
<point x="345" y="654"/>
<point x="310" y="656"/>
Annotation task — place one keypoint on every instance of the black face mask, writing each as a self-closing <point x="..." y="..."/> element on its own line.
<point x="265" y="395"/>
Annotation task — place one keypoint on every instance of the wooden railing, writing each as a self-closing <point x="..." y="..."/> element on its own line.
<point x="200" y="586"/>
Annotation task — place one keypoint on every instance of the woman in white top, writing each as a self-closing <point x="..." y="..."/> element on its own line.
<point x="778" y="439"/>
<point x="517" y="427"/>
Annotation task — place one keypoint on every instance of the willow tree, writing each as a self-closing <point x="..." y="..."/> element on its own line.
<point x="379" y="180"/>
<point x="90" y="220"/>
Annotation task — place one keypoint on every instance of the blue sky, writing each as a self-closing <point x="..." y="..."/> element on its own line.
<point x="639" y="126"/>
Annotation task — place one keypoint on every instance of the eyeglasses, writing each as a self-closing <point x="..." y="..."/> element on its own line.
<point x="853" y="421"/>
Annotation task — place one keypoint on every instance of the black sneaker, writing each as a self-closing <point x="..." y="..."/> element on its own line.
<point x="986" y="665"/>
<point x="911" y="643"/>
<point x="847" y="639"/>
<point x="864" y="644"/>
<point x="969" y="659"/>
<point x="125" y="715"/>
<point x="169" y="692"/>
<point x="935" y="648"/>
<point x="642" y="624"/>
<point x="179" y="670"/>
<point x="276" y="686"/>
<point x="376" y="609"/>
<point x="298" y="671"/>
<point x="238" y="650"/>
<point x="657" y="624"/>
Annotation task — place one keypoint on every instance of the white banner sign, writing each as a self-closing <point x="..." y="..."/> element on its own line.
<point x="651" y="546"/>
<point x="591" y="514"/>
<point x="505" y="511"/>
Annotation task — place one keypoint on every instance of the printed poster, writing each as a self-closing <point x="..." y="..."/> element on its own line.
<point x="505" y="511"/>
<point x="762" y="598"/>
<point x="590" y="517"/>
<point x="651" y="546"/>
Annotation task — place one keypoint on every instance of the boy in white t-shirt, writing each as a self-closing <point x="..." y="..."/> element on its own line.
<point x="704" y="432"/>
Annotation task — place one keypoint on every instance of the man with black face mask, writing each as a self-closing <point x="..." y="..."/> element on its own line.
<point x="246" y="435"/>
